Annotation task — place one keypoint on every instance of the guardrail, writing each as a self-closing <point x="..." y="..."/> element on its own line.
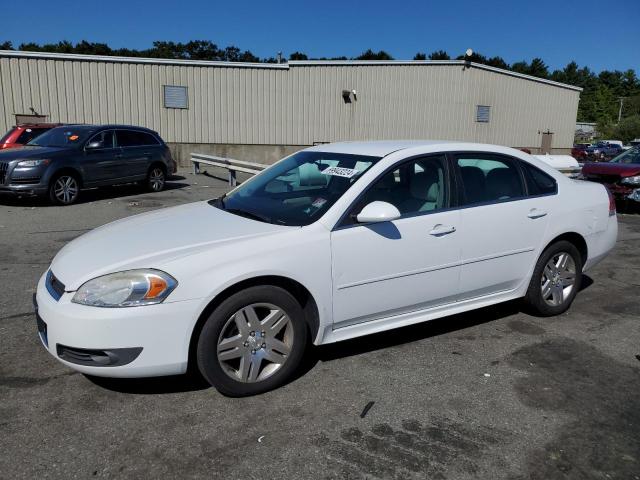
<point x="230" y="164"/>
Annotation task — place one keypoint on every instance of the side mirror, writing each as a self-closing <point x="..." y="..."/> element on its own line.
<point x="93" y="145"/>
<point x="377" y="211"/>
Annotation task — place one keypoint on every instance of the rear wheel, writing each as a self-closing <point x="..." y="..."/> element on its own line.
<point x="556" y="280"/>
<point x="253" y="342"/>
<point x="64" y="189"/>
<point x="155" y="179"/>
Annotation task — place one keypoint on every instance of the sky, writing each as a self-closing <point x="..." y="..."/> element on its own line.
<point x="603" y="35"/>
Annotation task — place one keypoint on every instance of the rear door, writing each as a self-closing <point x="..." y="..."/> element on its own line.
<point x="503" y="222"/>
<point x="138" y="150"/>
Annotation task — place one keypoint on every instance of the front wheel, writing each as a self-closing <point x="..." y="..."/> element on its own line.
<point x="556" y="280"/>
<point x="253" y="342"/>
<point x="64" y="189"/>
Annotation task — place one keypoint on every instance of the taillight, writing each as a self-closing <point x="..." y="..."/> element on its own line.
<point x="612" y="203"/>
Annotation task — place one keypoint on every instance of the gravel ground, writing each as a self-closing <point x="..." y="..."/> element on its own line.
<point x="493" y="393"/>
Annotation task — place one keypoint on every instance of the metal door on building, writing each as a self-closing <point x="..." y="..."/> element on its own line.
<point x="547" y="141"/>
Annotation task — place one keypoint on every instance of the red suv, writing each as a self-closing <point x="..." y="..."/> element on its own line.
<point x="23" y="133"/>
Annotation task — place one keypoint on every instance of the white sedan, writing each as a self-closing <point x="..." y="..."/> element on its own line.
<point x="333" y="242"/>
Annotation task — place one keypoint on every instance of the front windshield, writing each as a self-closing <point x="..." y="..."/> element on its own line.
<point x="628" y="156"/>
<point x="61" y="137"/>
<point x="298" y="190"/>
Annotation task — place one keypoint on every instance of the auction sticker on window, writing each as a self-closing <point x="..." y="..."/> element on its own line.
<point x="319" y="202"/>
<point x="340" y="172"/>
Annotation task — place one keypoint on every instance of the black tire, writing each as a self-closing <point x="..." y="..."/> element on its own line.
<point x="220" y="374"/>
<point x="156" y="178"/>
<point x="64" y="189"/>
<point x="534" y="300"/>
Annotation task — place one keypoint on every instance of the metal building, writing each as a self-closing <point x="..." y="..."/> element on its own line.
<point x="263" y="111"/>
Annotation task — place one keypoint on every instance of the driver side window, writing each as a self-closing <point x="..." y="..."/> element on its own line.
<point x="104" y="138"/>
<point x="417" y="186"/>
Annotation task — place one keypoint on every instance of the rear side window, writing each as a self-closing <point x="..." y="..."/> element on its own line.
<point x="538" y="182"/>
<point x="132" y="138"/>
<point x="488" y="178"/>
<point x="29" y="134"/>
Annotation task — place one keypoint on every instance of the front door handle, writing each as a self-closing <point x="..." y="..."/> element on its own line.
<point x="536" y="213"/>
<point x="439" y="230"/>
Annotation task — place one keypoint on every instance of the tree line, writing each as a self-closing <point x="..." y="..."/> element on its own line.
<point x="599" y="101"/>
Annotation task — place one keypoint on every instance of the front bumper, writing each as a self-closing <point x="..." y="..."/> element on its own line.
<point x="26" y="189"/>
<point x="147" y="341"/>
<point x="23" y="180"/>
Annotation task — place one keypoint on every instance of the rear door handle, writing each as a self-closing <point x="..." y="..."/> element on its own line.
<point x="535" y="213"/>
<point x="439" y="230"/>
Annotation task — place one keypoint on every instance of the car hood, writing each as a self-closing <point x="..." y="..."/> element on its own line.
<point x="611" y="168"/>
<point x="151" y="239"/>
<point x="27" y="152"/>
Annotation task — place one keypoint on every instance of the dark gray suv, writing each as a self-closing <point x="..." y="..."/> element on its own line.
<point x="64" y="160"/>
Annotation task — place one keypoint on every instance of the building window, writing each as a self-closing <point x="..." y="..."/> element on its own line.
<point x="175" y="97"/>
<point x="483" y="113"/>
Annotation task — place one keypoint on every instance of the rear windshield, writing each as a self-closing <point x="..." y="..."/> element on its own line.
<point x="29" y="134"/>
<point x="62" y="137"/>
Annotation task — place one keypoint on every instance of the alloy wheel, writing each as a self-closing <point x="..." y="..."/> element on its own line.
<point x="255" y="342"/>
<point x="65" y="189"/>
<point x="558" y="279"/>
<point x="156" y="179"/>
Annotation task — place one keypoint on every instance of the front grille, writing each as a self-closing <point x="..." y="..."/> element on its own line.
<point x="4" y="166"/>
<point x="54" y="286"/>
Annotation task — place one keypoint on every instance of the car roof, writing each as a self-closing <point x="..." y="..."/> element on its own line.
<point x="83" y="126"/>
<point x="38" y="125"/>
<point x="377" y="148"/>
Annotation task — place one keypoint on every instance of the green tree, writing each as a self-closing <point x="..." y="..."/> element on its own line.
<point x="439" y="55"/>
<point x="298" y="56"/>
<point x="420" y="56"/>
<point x="6" y="46"/>
<point x="538" y="68"/>
<point x="371" y="55"/>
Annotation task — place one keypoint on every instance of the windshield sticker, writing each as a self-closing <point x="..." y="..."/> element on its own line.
<point x="319" y="202"/>
<point x="73" y="138"/>
<point x="340" y="172"/>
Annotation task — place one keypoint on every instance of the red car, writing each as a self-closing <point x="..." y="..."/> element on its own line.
<point x="23" y="133"/>
<point x="621" y="175"/>
<point x="579" y="151"/>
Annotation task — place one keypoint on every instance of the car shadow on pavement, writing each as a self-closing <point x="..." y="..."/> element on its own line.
<point x="193" y="381"/>
<point x="413" y="333"/>
<point x="190" y="382"/>
<point x="90" y="195"/>
<point x="421" y="331"/>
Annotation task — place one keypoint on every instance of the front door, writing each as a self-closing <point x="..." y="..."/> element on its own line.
<point x="407" y="265"/>
<point x="100" y="156"/>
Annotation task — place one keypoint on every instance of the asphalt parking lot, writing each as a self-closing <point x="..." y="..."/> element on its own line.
<point x="494" y="393"/>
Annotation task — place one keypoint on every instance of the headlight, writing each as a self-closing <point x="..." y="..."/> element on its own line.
<point x="126" y="289"/>
<point x="33" y="163"/>
<point x="631" y="180"/>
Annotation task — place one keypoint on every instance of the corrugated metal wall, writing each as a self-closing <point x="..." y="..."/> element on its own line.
<point x="297" y="104"/>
